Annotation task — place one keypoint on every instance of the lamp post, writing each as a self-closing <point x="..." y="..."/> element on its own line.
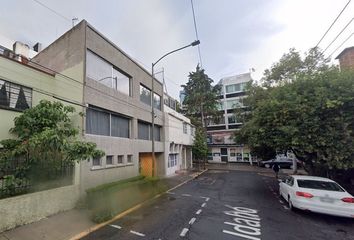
<point x="195" y="43"/>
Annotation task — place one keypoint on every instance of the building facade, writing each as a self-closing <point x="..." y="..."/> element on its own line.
<point x="179" y="138"/>
<point x="222" y="147"/>
<point x="346" y="59"/>
<point x="118" y="99"/>
<point x="22" y="86"/>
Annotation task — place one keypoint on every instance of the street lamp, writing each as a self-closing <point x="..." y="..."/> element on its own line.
<point x="195" y="43"/>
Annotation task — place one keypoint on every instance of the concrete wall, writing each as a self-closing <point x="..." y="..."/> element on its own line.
<point x="32" y="207"/>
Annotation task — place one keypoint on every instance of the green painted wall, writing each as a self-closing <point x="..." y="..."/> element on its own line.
<point x="57" y="85"/>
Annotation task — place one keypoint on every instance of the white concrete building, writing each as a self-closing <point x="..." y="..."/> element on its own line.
<point x="222" y="147"/>
<point x="179" y="138"/>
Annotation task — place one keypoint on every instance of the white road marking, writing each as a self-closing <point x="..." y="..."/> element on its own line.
<point x="184" y="232"/>
<point x="198" y="212"/>
<point x="207" y="199"/>
<point x="192" y="221"/>
<point x="137" y="233"/>
<point x="203" y="205"/>
<point x="281" y="201"/>
<point x="115" y="226"/>
<point x="186" y="195"/>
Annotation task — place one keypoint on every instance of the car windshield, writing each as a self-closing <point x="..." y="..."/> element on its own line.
<point x="319" y="185"/>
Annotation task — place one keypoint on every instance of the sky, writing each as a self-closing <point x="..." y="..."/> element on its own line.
<point x="235" y="35"/>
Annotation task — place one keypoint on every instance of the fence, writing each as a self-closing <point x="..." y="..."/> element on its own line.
<point x="19" y="176"/>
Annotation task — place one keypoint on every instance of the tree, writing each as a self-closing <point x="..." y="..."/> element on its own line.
<point x="309" y="111"/>
<point x="201" y="98"/>
<point x="45" y="135"/>
<point x="200" y="147"/>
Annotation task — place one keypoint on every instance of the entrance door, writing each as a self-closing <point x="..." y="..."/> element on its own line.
<point x="224" y="155"/>
<point x="145" y="164"/>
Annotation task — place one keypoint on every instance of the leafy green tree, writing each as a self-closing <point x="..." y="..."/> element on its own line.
<point x="200" y="147"/>
<point x="309" y="111"/>
<point x="46" y="136"/>
<point x="201" y="100"/>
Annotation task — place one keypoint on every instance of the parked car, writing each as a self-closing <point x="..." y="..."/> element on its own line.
<point x="317" y="194"/>
<point x="282" y="163"/>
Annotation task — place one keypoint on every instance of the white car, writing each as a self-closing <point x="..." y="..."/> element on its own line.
<point x="317" y="194"/>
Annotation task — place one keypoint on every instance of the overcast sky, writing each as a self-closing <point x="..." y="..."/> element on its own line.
<point x="235" y="35"/>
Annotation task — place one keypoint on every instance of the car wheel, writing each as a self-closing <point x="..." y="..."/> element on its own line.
<point x="267" y="165"/>
<point x="290" y="203"/>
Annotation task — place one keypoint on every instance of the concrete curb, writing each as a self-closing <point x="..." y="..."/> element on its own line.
<point x="122" y="214"/>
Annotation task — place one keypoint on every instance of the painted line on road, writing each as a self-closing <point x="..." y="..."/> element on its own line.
<point x="203" y="205"/>
<point x="184" y="232"/>
<point x="126" y="212"/>
<point x="192" y="221"/>
<point x="186" y="195"/>
<point x="137" y="233"/>
<point x="115" y="226"/>
<point x="281" y="201"/>
<point x="198" y="212"/>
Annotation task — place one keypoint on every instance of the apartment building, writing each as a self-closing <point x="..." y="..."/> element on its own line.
<point x="179" y="138"/>
<point x="118" y="99"/>
<point x="222" y="147"/>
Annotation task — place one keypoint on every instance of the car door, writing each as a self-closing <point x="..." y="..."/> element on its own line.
<point x="287" y="187"/>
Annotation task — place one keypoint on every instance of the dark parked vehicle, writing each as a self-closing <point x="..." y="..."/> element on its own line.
<point x="282" y="163"/>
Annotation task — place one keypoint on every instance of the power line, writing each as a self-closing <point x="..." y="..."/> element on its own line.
<point x="52" y="10"/>
<point x="333" y="23"/>
<point x="338" y="34"/>
<point x="342" y="43"/>
<point x="196" y="35"/>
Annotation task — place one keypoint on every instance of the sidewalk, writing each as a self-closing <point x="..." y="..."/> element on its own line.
<point x="65" y="225"/>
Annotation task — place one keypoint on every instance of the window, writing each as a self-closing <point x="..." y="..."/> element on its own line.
<point x="109" y="160"/>
<point x="119" y="126"/>
<point x="145" y="95"/>
<point x="157" y="101"/>
<point x="230" y="104"/>
<point x="104" y="72"/>
<point x="96" y="161"/>
<point x="102" y="122"/>
<point x="130" y="158"/>
<point x="14" y="96"/>
<point x="319" y="185"/>
<point x="172" y="160"/>
<point x="185" y="128"/>
<point x="231" y="119"/>
<point x="144" y="131"/>
<point x="233" y="88"/>
<point x="97" y="122"/>
<point x="220" y="106"/>
<point x="120" y="159"/>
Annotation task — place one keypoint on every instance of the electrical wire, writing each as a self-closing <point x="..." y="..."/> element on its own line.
<point x="52" y="10"/>
<point x="342" y="43"/>
<point x="196" y="35"/>
<point x="338" y="35"/>
<point x="333" y="23"/>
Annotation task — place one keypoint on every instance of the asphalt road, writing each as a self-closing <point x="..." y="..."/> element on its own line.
<point x="225" y="205"/>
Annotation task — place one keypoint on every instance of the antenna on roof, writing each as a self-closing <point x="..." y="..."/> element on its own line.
<point x="73" y="20"/>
